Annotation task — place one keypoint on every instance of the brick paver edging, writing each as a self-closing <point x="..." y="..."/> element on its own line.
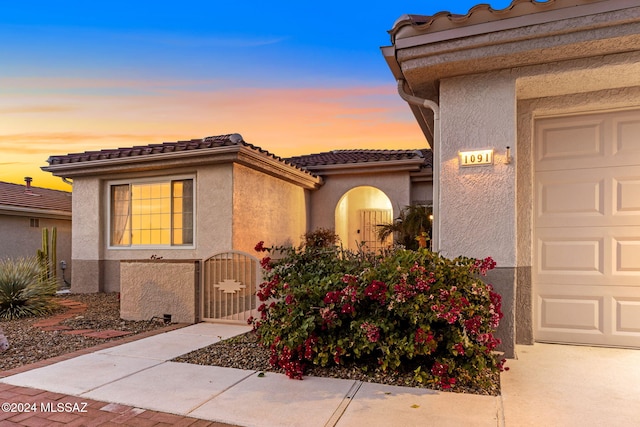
<point x="74" y="308"/>
<point x="51" y="409"/>
<point x="55" y="409"/>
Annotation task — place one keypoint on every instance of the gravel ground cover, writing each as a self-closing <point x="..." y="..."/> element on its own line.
<point x="244" y="352"/>
<point x="29" y="344"/>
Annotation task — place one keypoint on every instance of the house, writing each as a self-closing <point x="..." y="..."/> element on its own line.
<point x="25" y="211"/>
<point x="364" y="188"/>
<point x="173" y="226"/>
<point x="533" y="115"/>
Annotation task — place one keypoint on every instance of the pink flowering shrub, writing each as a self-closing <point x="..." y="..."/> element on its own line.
<point x="407" y="310"/>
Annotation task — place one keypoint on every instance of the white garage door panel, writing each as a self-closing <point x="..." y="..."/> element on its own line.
<point x="588" y="315"/>
<point x="588" y="197"/>
<point x="589" y="256"/>
<point x="627" y="316"/>
<point x="627" y="195"/>
<point x="626" y="128"/>
<point x="566" y="313"/>
<point x="627" y="256"/>
<point x="587" y="229"/>
<point x="588" y="141"/>
<point x="575" y="138"/>
<point x="583" y="195"/>
<point x="583" y="255"/>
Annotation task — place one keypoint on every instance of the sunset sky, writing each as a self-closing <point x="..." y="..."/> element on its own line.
<point x="291" y="77"/>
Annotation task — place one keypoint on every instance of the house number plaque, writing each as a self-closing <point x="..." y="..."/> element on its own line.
<point x="475" y="158"/>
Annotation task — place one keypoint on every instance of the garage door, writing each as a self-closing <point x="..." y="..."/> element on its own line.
<point x="586" y="274"/>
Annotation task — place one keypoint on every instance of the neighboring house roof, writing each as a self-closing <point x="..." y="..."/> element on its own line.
<point x="212" y="149"/>
<point x="350" y="160"/>
<point x="34" y="200"/>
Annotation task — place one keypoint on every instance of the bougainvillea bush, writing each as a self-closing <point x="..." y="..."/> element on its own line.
<point x="406" y="310"/>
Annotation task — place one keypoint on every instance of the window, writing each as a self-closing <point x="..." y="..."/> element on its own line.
<point x="152" y="213"/>
<point x="34" y="222"/>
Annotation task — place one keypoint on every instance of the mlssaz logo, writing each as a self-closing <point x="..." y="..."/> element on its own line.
<point x="63" y="407"/>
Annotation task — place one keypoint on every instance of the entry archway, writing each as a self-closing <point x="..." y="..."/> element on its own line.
<point x="357" y="215"/>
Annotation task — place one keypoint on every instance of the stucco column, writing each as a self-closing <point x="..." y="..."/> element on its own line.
<point x="87" y="236"/>
<point x="478" y="203"/>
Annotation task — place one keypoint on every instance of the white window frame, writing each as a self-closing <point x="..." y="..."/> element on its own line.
<point x="151" y="180"/>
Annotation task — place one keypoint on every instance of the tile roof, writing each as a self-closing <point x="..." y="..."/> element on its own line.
<point x="480" y="13"/>
<point x="335" y="157"/>
<point x="345" y="157"/>
<point x="233" y="139"/>
<point x="19" y="196"/>
<point x="228" y="140"/>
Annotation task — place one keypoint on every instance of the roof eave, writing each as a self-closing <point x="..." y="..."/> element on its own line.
<point x="206" y="156"/>
<point x="558" y="34"/>
<point x="422" y="57"/>
<point x="278" y="169"/>
<point x="407" y="165"/>
<point x="143" y="163"/>
<point x="424" y="175"/>
<point x="40" y="213"/>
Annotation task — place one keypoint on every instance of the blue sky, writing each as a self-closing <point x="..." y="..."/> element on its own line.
<point x="291" y="77"/>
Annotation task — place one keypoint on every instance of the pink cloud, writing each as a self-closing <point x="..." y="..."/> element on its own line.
<point x="94" y="114"/>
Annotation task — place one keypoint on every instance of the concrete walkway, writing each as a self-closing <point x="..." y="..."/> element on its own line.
<point x="548" y="385"/>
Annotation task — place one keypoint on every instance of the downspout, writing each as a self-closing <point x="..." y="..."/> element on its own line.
<point x="435" y="148"/>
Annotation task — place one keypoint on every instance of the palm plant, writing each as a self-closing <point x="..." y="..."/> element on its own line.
<point x="412" y="222"/>
<point x="24" y="290"/>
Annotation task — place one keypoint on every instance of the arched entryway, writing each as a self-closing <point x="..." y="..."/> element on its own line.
<point x="358" y="214"/>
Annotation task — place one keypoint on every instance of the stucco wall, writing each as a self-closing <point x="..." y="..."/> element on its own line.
<point x="324" y="201"/>
<point x="212" y="219"/>
<point x="422" y="192"/>
<point x="266" y="208"/>
<point x="87" y="235"/>
<point x="158" y="287"/>
<point x="478" y="203"/>
<point x="567" y="65"/>
<point x="214" y="210"/>
<point x="477" y="211"/>
<point x="213" y="185"/>
<point x="97" y="267"/>
<point x="20" y="240"/>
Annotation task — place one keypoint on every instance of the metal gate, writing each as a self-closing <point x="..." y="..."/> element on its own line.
<point x="370" y="220"/>
<point x="229" y="287"/>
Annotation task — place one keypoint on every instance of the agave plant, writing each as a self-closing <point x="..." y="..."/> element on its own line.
<point x="413" y="221"/>
<point x="24" y="290"/>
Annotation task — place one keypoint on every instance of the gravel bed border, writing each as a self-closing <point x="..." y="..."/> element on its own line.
<point x="29" y="344"/>
<point x="245" y="352"/>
